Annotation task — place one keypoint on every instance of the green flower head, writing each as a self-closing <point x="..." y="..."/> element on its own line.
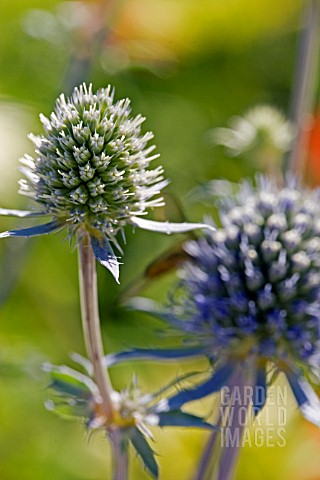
<point x="91" y="164"/>
<point x="90" y="173"/>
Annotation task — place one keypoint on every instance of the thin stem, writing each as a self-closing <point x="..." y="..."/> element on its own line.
<point x="235" y="424"/>
<point x="91" y="322"/>
<point x="220" y="465"/>
<point x="206" y="459"/>
<point x="305" y="82"/>
<point x="89" y="40"/>
<point x="120" y="456"/>
<point x="206" y="464"/>
<point x="231" y="453"/>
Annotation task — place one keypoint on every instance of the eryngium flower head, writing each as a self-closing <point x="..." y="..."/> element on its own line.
<point x="249" y="297"/>
<point x="262" y="126"/>
<point x="256" y="281"/>
<point x="91" y="163"/>
<point x="91" y="173"/>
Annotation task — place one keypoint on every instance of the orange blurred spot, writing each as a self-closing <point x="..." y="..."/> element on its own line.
<point x="313" y="149"/>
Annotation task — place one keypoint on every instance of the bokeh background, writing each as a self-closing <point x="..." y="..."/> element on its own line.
<point x="188" y="67"/>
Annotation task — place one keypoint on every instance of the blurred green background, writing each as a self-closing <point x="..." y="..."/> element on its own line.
<point x="187" y="66"/>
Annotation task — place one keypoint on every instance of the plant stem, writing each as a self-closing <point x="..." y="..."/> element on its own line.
<point x="206" y="459"/>
<point x="88" y="41"/>
<point x="305" y="82"/>
<point x="219" y="460"/>
<point x="120" y="455"/>
<point x="91" y="322"/>
<point x="206" y="467"/>
<point x="230" y="452"/>
<point x="234" y="425"/>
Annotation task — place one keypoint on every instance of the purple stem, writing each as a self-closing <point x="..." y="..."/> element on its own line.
<point x="120" y="456"/>
<point x="237" y="418"/>
<point x="206" y="466"/>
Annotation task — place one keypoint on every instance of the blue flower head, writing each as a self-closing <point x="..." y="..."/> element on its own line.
<point x="255" y="283"/>
<point x="249" y="295"/>
<point x="91" y="174"/>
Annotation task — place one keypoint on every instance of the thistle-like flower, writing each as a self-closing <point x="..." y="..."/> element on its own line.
<point x="249" y="300"/>
<point x="262" y="126"/>
<point x="91" y="173"/>
<point x="75" y="394"/>
<point x="251" y="293"/>
<point x="249" y="296"/>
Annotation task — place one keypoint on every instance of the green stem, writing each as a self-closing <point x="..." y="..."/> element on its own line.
<point x="91" y="322"/>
